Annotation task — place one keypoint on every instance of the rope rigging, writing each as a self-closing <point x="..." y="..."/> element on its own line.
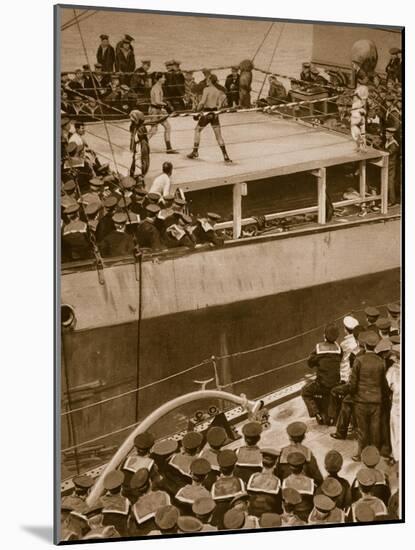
<point x="219" y="358"/>
<point x="272" y="59"/>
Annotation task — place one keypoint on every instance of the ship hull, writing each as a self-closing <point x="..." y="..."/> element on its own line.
<point x="219" y="302"/>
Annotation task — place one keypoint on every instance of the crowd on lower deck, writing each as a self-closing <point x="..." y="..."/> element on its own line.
<point x="199" y="484"/>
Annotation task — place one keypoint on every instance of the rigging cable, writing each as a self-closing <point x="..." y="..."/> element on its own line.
<point x="96" y="91"/>
<point x="82" y="17"/>
<point x="272" y="59"/>
<point x="263" y="41"/>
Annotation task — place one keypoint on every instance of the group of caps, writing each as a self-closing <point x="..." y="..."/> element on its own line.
<point x="168" y="519"/>
<point x="381" y="333"/>
<point x="152" y="202"/>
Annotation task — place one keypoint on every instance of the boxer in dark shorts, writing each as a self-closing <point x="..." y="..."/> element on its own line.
<point x="213" y="99"/>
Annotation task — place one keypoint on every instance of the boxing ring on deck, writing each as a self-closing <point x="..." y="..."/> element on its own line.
<point x="261" y="145"/>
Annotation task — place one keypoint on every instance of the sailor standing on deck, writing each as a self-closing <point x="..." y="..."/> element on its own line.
<point x="213" y="99"/>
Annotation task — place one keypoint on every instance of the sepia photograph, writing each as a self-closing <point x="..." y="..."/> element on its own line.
<point x="228" y="228"/>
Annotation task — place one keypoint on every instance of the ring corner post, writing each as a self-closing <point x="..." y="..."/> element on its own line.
<point x="320" y="174"/>
<point x="239" y="191"/>
<point x="362" y="179"/>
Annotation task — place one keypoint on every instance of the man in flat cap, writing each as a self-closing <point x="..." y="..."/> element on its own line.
<point x="106" y="223"/>
<point x="148" y="236"/>
<point x="372" y="315"/>
<point x="366" y="479"/>
<point x="106" y="54"/>
<point x="394" y="314"/>
<point x="140" y="458"/>
<point x="179" y="87"/>
<point x="232" y="87"/>
<point x="333" y="462"/>
<point x="233" y="519"/>
<point x="215" y="438"/>
<point x="306" y="75"/>
<point x="325" y="511"/>
<point x="300" y="482"/>
<point x="242" y="504"/>
<point x="180" y="462"/>
<point x="269" y="520"/>
<point x="227" y="486"/>
<point x="95" y="191"/>
<point x="187" y="495"/>
<point x="296" y="434"/>
<point x="371" y="457"/>
<point x="363" y="513"/>
<point x="332" y="488"/>
<point x="116" y="507"/>
<point x="93" y="213"/>
<point x="249" y="455"/>
<point x="291" y="498"/>
<point x="203" y="509"/>
<point x="368" y="387"/>
<point x="118" y="242"/>
<point x="394" y="67"/>
<point x="162" y="451"/>
<point x="264" y="488"/>
<point x="325" y="359"/>
<point x="141" y="81"/>
<point x="146" y="503"/>
<point x="125" y="59"/>
<point x="166" y="520"/>
<point x="75" y="239"/>
<point x="76" y="500"/>
<point x="189" y="524"/>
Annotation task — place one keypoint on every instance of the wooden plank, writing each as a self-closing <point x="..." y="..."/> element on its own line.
<point x="237" y="210"/>
<point x="384" y="185"/>
<point x="321" y="194"/>
<point x="362" y="178"/>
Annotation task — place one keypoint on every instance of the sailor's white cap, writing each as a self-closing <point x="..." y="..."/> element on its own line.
<point x="350" y="322"/>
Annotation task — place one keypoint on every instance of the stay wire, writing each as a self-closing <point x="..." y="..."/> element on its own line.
<point x="95" y="89"/>
<point x="272" y="59"/>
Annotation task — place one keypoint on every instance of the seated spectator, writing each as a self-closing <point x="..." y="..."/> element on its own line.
<point x="148" y="235"/>
<point x="276" y="93"/>
<point x="118" y="242"/>
<point x="179" y="234"/>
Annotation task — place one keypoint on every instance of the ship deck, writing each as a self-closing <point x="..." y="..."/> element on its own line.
<point x="260" y="145"/>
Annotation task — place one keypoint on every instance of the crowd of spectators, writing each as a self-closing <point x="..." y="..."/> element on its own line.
<point x="103" y="213"/>
<point x="199" y="485"/>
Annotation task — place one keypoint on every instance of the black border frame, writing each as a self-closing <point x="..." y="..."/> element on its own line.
<point x="57" y="267"/>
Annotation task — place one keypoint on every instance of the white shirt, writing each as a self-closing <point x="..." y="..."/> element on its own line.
<point x="161" y="185"/>
<point x="348" y="344"/>
<point x="79" y="141"/>
<point x="393" y="376"/>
